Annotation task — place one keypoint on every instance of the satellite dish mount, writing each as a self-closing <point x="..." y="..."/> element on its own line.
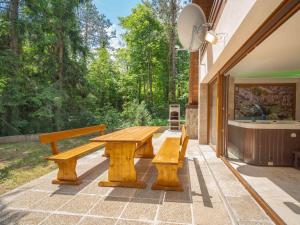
<point x="192" y="27"/>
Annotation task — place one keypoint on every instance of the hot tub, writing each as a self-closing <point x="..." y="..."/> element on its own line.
<point x="264" y="142"/>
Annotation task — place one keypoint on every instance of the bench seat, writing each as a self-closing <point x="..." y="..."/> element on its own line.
<point x="67" y="160"/>
<point x="77" y="152"/>
<point x="168" y="152"/>
<point x="168" y="160"/>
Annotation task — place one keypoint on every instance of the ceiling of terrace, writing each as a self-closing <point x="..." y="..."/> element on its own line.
<point x="277" y="56"/>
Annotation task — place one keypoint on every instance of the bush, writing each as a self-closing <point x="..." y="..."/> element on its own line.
<point x="135" y="114"/>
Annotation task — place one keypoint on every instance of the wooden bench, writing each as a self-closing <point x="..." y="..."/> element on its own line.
<point x="296" y="155"/>
<point x="168" y="160"/>
<point x="67" y="160"/>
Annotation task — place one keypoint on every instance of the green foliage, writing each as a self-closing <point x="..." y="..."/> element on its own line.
<point x="146" y="60"/>
<point x="135" y="114"/>
<point x="58" y="71"/>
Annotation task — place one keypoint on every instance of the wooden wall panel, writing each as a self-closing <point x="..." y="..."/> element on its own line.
<point x="260" y="146"/>
<point x="206" y="5"/>
<point x="193" y="80"/>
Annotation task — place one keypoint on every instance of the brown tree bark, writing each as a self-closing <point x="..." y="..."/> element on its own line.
<point x="172" y="51"/>
<point x="150" y="80"/>
<point x="13" y="14"/>
<point x="60" y="48"/>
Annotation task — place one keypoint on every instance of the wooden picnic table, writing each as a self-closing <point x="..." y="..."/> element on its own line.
<point x="122" y="146"/>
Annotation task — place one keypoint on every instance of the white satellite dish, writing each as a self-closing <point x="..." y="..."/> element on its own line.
<point x="192" y="27"/>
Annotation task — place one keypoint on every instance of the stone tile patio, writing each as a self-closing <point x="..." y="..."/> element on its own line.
<point x="278" y="186"/>
<point x="202" y="202"/>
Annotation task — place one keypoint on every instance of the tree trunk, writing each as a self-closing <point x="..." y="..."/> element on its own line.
<point x="139" y="89"/>
<point x="60" y="76"/>
<point x="86" y="32"/>
<point x="14" y="28"/>
<point x="60" y="48"/>
<point x="150" y="82"/>
<point x="172" y="49"/>
<point x="12" y="111"/>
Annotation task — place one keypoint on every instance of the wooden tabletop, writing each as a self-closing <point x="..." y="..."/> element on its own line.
<point x="131" y="134"/>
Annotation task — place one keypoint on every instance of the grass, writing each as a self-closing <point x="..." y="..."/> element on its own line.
<point x="25" y="161"/>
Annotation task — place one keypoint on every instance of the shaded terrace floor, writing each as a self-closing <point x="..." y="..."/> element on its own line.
<point x="202" y="202"/>
<point x="278" y="186"/>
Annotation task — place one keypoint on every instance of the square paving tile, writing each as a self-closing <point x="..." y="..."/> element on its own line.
<point x="205" y="194"/>
<point x="175" y="212"/>
<point x="122" y="192"/>
<point x="110" y="207"/>
<point x="214" y="214"/>
<point x="46" y="186"/>
<point x="233" y="188"/>
<point x="80" y="204"/>
<point x="148" y="193"/>
<point x="71" y="189"/>
<point x="5" y="213"/>
<point x="8" y="197"/>
<point x="24" y="218"/>
<point x="27" y="199"/>
<point x="132" y="222"/>
<point x="53" y="202"/>
<point x="245" y="208"/>
<point x="61" y="220"/>
<point x="177" y="196"/>
<point x="162" y="223"/>
<point x="141" y="209"/>
<point x="255" y="223"/>
<point x="93" y="188"/>
<point x="97" y="221"/>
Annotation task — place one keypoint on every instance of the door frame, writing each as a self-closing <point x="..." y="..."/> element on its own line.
<point x="280" y="15"/>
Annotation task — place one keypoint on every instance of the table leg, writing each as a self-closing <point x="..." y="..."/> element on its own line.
<point x="121" y="171"/>
<point x="145" y="150"/>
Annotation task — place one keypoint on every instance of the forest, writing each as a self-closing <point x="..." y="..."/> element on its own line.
<point x="58" y="69"/>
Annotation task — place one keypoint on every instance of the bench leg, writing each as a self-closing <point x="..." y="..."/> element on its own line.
<point x="121" y="171"/>
<point x="167" y="178"/>
<point x="106" y="151"/>
<point x="180" y="164"/>
<point x="66" y="172"/>
<point x="145" y="150"/>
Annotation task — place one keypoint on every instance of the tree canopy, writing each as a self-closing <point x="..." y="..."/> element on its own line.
<point x="59" y="71"/>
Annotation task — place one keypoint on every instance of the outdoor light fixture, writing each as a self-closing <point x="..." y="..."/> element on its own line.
<point x="211" y="37"/>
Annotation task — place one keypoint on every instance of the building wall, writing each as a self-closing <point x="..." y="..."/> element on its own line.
<point x="261" y="81"/>
<point x="239" y="20"/>
<point x="233" y="14"/>
<point x="203" y="117"/>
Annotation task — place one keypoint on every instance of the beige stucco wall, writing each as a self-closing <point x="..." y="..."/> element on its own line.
<point x="191" y="115"/>
<point x="233" y="14"/>
<point x="203" y="117"/>
<point x="247" y="19"/>
<point x="261" y="81"/>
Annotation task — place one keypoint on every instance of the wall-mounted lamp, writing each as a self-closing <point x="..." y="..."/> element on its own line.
<point x="213" y="37"/>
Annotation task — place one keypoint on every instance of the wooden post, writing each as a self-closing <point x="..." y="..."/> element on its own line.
<point x="54" y="148"/>
<point x="219" y="116"/>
